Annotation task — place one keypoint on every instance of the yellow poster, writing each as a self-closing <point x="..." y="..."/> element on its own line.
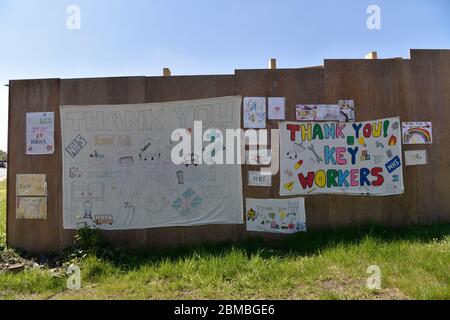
<point x="34" y="208"/>
<point x="31" y="185"/>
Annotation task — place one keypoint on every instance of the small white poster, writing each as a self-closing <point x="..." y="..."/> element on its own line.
<point x="31" y="208"/>
<point x="40" y="133"/>
<point x="416" y="157"/>
<point x="417" y="132"/>
<point x="277" y="109"/>
<point x="255" y="112"/>
<point x="276" y="215"/>
<point x="346" y="110"/>
<point x="256" y="179"/>
<point x="258" y="157"/>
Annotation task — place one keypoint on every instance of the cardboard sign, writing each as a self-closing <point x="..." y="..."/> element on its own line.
<point x="31" y="185"/>
<point x="31" y="208"/>
<point x="416" y="157"/>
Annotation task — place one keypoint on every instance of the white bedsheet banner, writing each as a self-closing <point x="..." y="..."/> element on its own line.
<point x="360" y="158"/>
<point x="118" y="173"/>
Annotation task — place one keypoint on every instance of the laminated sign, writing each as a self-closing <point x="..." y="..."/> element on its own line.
<point x="119" y="174"/>
<point x="360" y="158"/>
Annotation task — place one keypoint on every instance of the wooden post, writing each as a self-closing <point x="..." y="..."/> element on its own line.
<point x="272" y="64"/>
<point x="371" y="55"/>
<point x="167" y="72"/>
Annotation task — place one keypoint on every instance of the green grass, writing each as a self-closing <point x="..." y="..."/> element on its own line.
<point x="329" y="264"/>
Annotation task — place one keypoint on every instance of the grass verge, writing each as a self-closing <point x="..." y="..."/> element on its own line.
<point x="329" y="264"/>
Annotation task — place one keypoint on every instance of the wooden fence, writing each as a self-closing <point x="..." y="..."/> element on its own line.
<point x="416" y="89"/>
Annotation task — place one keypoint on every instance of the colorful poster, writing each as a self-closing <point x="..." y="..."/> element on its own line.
<point x="417" y="132"/>
<point x="342" y="112"/>
<point x="118" y="172"/>
<point x="361" y="158"/>
<point x="33" y="208"/>
<point x="277" y="108"/>
<point x="255" y="112"/>
<point x="416" y="157"/>
<point x="276" y="215"/>
<point x="31" y="185"/>
<point x="40" y="133"/>
<point x="256" y="179"/>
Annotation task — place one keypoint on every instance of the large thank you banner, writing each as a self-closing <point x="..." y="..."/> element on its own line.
<point x="118" y="173"/>
<point x="354" y="158"/>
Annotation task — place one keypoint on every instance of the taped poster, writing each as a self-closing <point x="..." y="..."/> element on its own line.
<point x="416" y="157"/>
<point x="276" y="215"/>
<point x="417" y="133"/>
<point x="255" y="112"/>
<point x="31" y="185"/>
<point x="256" y="179"/>
<point x="118" y="172"/>
<point x="277" y="108"/>
<point x="342" y="112"/>
<point x="31" y="208"/>
<point x="40" y="133"/>
<point x="361" y="158"/>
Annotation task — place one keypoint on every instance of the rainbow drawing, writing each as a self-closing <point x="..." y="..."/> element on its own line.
<point x="417" y="133"/>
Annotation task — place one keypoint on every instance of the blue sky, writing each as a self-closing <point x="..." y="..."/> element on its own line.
<point x="140" y="37"/>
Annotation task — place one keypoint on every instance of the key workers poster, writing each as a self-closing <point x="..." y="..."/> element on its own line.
<point x="361" y="158"/>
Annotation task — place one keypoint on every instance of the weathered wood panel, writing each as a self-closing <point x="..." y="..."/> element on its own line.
<point x="33" y="235"/>
<point x="378" y="88"/>
<point x="430" y="71"/>
<point x="299" y="86"/>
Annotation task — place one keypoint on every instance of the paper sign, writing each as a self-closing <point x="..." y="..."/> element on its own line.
<point x="361" y="158"/>
<point x="416" y="157"/>
<point x="417" y="132"/>
<point x="40" y="133"/>
<point x="255" y="112"/>
<point x="120" y="174"/>
<point x="31" y="185"/>
<point x="256" y="179"/>
<point x="33" y="208"/>
<point x="342" y="112"/>
<point x="277" y="108"/>
<point x="346" y="110"/>
<point x="276" y="215"/>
